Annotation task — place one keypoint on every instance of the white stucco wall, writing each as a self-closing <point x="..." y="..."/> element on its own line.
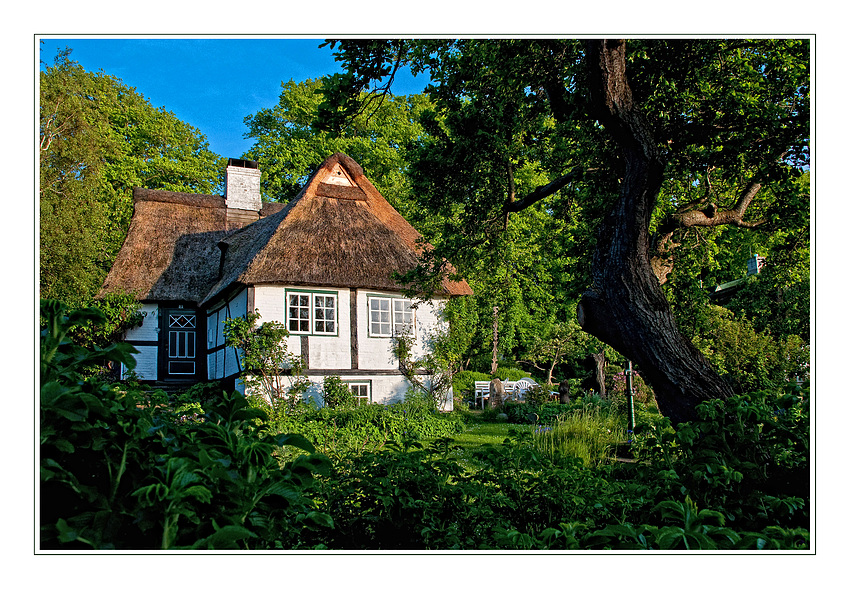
<point x="376" y="352"/>
<point x="146" y="363"/>
<point x="333" y="352"/>
<point x="149" y="329"/>
<point x="326" y="351"/>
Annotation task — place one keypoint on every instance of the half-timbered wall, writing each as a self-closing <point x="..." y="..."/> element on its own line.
<point x="351" y="351"/>
<point x="221" y="360"/>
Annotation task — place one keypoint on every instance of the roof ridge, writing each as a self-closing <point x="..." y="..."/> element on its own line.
<point x="211" y="201"/>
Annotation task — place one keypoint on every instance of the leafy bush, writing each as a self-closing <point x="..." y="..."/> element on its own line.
<point x="270" y="369"/>
<point x="747" y="456"/>
<point x="119" y="472"/>
<point x="368" y="427"/>
<point x="524" y="494"/>
<point x="512" y="374"/>
<point x="463" y="383"/>
<point x="121" y="311"/>
<point x="537" y="395"/>
<point x="336" y="393"/>
<point x="755" y="360"/>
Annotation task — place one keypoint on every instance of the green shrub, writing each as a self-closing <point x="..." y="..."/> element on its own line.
<point x="336" y="393"/>
<point x="525" y="413"/>
<point x="746" y="456"/>
<point x="119" y="472"/>
<point x="537" y="395"/>
<point x="511" y="374"/>
<point x="464" y="382"/>
<point x="369" y="427"/>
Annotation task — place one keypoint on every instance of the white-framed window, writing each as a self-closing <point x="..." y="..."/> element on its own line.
<point x="402" y="317"/>
<point x="390" y="316"/>
<point x="324" y="313"/>
<point x="311" y="313"/>
<point x="362" y="392"/>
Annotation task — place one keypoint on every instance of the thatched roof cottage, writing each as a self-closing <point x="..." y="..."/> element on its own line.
<point x="323" y="265"/>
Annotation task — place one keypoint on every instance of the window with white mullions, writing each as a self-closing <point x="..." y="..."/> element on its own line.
<point x="361" y="392"/>
<point x="402" y="317"/>
<point x="298" y="313"/>
<point x="324" y="309"/>
<point x="391" y="317"/>
<point x="311" y="313"/>
<point x="379" y="317"/>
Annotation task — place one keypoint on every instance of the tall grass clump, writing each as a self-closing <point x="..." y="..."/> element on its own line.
<point x="590" y="433"/>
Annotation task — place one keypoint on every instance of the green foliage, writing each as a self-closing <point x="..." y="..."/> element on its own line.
<point x="268" y="367"/>
<point x="120" y="472"/>
<point x="121" y="312"/>
<point x="778" y="300"/>
<point x="755" y="360"/>
<point x="588" y="434"/>
<point x="121" y="469"/>
<point x="464" y="382"/>
<point x="538" y="395"/>
<point x="747" y="456"/>
<point x="526" y="493"/>
<point x="343" y="429"/>
<point x="515" y="171"/>
<point x="99" y="138"/>
<point x="289" y="149"/>
<point x="430" y="374"/>
<point x="336" y="393"/>
<point x="513" y="374"/>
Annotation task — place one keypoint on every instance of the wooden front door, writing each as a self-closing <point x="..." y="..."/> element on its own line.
<point x="181" y="343"/>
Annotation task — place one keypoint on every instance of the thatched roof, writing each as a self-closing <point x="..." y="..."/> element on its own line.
<point x="170" y="250"/>
<point x="338" y="232"/>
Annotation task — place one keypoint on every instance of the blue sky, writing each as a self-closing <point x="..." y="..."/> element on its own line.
<point x="210" y="83"/>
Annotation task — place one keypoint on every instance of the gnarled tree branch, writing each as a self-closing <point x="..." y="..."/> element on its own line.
<point x="541" y="192"/>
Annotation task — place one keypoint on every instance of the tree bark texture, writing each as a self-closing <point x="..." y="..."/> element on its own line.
<point x="625" y="306"/>
<point x="598" y="363"/>
<point x="564" y="392"/>
<point x="497" y="393"/>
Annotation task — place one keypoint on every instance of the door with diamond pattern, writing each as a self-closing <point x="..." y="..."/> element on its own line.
<point x="181" y="328"/>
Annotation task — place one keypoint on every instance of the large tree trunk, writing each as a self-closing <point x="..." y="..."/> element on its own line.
<point x="596" y="380"/>
<point x="624" y="306"/>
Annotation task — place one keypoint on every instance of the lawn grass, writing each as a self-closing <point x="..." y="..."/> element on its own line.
<point x="480" y="432"/>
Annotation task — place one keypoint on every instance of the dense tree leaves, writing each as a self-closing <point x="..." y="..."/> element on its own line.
<point x="654" y="138"/>
<point x="289" y="149"/>
<point x="99" y="139"/>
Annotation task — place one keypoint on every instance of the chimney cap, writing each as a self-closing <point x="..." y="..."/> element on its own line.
<point x="232" y="161"/>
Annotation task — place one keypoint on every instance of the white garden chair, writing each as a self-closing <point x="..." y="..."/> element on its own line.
<point x="521" y="386"/>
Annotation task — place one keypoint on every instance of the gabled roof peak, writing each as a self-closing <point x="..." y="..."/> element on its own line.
<point x="338" y="231"/>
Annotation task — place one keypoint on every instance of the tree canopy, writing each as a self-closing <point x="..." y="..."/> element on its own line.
<point x="289" y="148"/>
<point x="643" y="150"/>
<point x="98" y="139"/>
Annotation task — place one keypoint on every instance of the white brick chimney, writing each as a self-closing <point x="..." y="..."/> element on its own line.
<point x="242" y="185"/>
